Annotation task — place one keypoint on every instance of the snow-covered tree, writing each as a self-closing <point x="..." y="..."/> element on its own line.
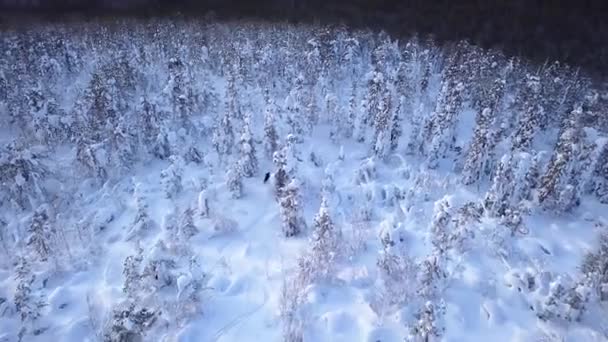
<point x="497" y="199"/>
<point x="530" y="115"/>
<point x="203" y="203"/>
<point x="479" y="157"/>
<point x="291" y="210"/>
<point x="441" y="228"/>
<point x="439" y="130"/>
<point x="171" y="177"/>
<point x="595" y="267"/>
<point x="123" y="144"/>
<point x="334" y="117"/>
<point x="132" y="273"/>
<point x="234" y="180"/>
<point x="324" y="241"/>
<point x="564" y="301"/>
<point x="281" y="178"/>
<point x="187" y="228"/>
<point x="180" y="93"/>
<point x="142" y="223"/>
<point x="558" y="186"/>
<point x="223" y="135"/>
<point x="599" y="176"/>
<point x="248" y="159"/>
<point x="296" y="105"/>
<point x="396" y="125"/>
<point x="271" y="137"/>
<point x="22" y="176"/>
<point x="42" y="234"/>
<point x="27" y="303"/>
<point x="161" y="147"/>
<point x="377" y="112"/>
<point x="428" y="326"/>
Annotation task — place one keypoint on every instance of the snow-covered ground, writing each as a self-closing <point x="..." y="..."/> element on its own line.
<point x="428" y="195"/>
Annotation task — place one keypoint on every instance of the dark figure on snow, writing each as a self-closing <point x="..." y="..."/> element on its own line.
<point x="267" y="177"/>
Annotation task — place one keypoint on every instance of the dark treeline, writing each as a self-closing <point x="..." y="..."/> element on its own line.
<point x="568" y="31"/>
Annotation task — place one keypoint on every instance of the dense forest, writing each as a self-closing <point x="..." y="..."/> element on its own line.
<point x="139" y="141"/>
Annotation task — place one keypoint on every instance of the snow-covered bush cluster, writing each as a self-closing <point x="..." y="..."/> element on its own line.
<point x="132" y="151"/>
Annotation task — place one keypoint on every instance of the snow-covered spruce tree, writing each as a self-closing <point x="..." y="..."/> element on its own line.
<point x="92" y="157"/>
<point x="171" y="177"/>
<point x="281" y="178"/>
<point x="187" y="228"/>
<point x="479" y="154"/>
<point x="292" y="156"/>
<point x="22" y="176"/>
<point x="296" y="106"/>
<point x="128" y="322"/>
<point x="557" y="187"/>
<point x="223" y="135"/>
<point x="234" y="180"/>
<point x="46" y="116"/>
<point x="324" y="242"/>
<point x="334" y="118"/>
<point x="497" y="199"/>
<point x="352" y="117"/>
<point x="100" y="107"/>
<point x="161" y="147"/>
<point x="530" y="113"/>
<point x="142" y="223"/>
<point x="27" y="303"/>
<point x="42" y="234"/>
<point x="291" y="210"/>
<point x="180" y="94"/>
<point x="428" y="326"/>
<point x="478" y="162"/>
<point x="565" y="300"/>
<point x="398" y="273"/>
<point x="595" y="267"/>
<point x="376" y="112"/>
<point x="232" y="103"/>
<point x="159" y="271"/>
<point x="398" y="115"/>
<point x="431" y="276"/>
<point x="132" y="273"/>
<point x="248" y="158"/>
<point x="123" y="143"/>
<point x="148" y="122"/>
<point x="442" y="228"/>
<point x="439" y="129"/>
<point x="271" y="137"/>
<point x="599" y="176"/>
